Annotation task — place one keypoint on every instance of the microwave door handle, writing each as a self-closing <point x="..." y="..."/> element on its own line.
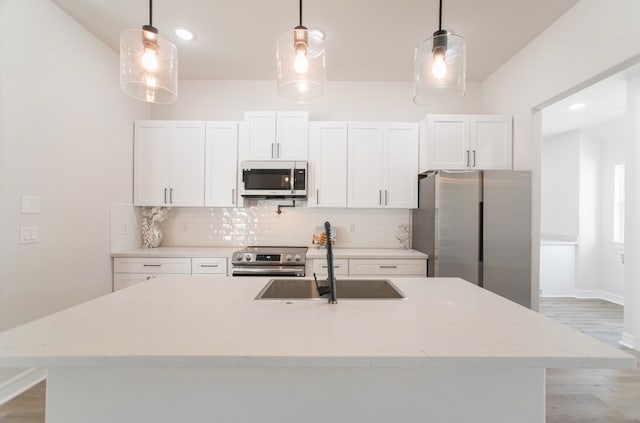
<point x="293" y="191"/>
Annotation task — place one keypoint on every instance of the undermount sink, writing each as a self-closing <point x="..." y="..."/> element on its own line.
<point x="352" y="289"/>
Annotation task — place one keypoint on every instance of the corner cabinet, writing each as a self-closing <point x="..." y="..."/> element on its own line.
<point x="467" y="142"/>
<point x="327" y="164"/>
<point x="221" y="164"/>
<point x="382" y="165"/>
<point x="169" y="163"/>
<point x="275" y="136"/>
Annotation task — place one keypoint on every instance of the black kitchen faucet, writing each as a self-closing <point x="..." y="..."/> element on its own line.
<point x="331" y="277"/>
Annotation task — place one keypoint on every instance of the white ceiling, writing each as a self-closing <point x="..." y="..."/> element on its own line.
<point x="603" y="101"/>
<point x="367" y="40"/>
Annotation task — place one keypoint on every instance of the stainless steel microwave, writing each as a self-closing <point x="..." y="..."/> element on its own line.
<point x="281" y="179"/>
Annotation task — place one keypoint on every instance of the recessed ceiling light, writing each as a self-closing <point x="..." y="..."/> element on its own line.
<point x="577" y="106"/>
<point x="184" y="34"/>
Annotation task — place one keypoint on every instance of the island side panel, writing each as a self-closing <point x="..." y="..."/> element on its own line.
<point x="313" y="395"/>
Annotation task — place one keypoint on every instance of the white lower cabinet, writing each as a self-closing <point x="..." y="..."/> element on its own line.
<point x="340" y="267"/>
<point x="372" y="267"/>
<point x="388" y="267"/>
<point x="128" y="271"/>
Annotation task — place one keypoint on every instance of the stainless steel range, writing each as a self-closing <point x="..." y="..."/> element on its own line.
<point x="269" y="261"/>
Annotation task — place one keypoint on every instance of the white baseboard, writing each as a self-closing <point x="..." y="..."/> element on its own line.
<point x="13" y="387"/>
<point x="588" y="293"/>
<point x="628" y="340"/>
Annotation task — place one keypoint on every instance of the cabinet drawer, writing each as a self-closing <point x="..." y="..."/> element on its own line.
<point x="340" y="266"/>
<point x="152" y="265"/>
<point x="209" y="266"/>
<point x="408" y="267"/>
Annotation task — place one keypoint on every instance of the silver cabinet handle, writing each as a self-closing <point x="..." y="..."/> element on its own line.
<point x="386" y="198"/>
<point x="277" y="150"/>
<point x="335" y="266"/>
<point x="233" y="196"/>
<point x="152" y="265"/>
<point x="171" y="195"/>
<point x="272" y="150"/>
<point x="165" y="196"/>
<point x="208" y="265"/>
<point x="474" y="158"/>
<point x="380" y="197"/>
<point x="467" y="165"/>
<point x="388" y="267"/>
<point x="317" y="196"/>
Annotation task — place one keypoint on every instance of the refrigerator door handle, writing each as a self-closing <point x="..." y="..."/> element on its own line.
<point x="474" y="158"/>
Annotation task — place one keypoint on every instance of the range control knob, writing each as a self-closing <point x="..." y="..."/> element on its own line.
<point x="239" y="257"/>
<point x="298" y="257"/>
<point x="288" y="258"/>
<point x="247" y="257"/>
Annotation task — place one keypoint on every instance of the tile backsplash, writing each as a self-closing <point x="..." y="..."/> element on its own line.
<point x="260" y="224"/>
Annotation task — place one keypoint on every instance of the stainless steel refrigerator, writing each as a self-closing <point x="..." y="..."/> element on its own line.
<point x="476" y="225"/>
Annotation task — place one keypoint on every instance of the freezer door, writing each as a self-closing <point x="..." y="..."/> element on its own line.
<point x="457" y="251"/>
<point x="507" y="234"/>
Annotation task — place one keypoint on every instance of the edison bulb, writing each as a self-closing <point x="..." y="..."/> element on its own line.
<point x="150" y="60"/>
<point x="301" y="64"/>
<point x="439" y="68"/>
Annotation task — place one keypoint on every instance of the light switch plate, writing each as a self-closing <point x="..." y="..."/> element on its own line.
<point x="29" y="204"/>
<point x="29" y="235"/>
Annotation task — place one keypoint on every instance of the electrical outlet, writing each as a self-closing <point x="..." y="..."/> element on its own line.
<point x="352" y="227"/>
<point x="29" y="235"/>
<point x="621" y="258"/>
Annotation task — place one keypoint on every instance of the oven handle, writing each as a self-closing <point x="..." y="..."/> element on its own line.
<point x="293" y="191"/>
<point x="268" y="271"/>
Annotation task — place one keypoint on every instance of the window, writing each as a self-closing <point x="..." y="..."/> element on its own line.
<point x="618" y="203"/>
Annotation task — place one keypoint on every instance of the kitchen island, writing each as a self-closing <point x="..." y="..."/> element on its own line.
<point x="190" y="349"/>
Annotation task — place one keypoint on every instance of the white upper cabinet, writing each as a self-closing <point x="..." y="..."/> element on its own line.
<point x="383" y="165"/>
<point x="221" y="164"/>
<point x="169" y="163"/>
<point x="401" y="165"/>
<point x="275" y="136"/>
<point x="366" y="161"/>
<point x="327" y="164"/>
<point x="467" y="142"/>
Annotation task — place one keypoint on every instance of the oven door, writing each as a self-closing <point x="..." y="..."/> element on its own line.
<point x="268" y="271"/>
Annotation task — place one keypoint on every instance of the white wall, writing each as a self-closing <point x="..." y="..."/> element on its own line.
<point x="564" y="57"/>
<point x="366" y="101"/>
<point x="560" y="184"/>
<point x="67" y="139"/>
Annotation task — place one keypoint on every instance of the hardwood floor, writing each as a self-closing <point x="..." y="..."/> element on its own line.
<point x="573" y="396"/>
<point x="588" y="395"/>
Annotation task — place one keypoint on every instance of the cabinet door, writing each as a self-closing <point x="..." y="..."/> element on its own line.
<point x="260" y="138"/>
<point x="387" y="267"/>
<point x="187" y="164"/>
<point x="401" y="170"/>
<point x="328" y="164"/>
<point x="366" y="161"/>
<point x="448" y="142"/>
<point x="491" y="141"/>
<point x="151" y="163"/>
<point x="221" y="164"/>
<point x="292" y="136"/>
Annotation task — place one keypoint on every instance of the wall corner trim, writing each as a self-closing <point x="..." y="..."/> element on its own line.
<point x="16" y="385"/>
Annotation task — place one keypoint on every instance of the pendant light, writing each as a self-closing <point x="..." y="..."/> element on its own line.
<point x="440" y="67"/>
<point x="300" y="57"/>
<point x="148" y="64"/>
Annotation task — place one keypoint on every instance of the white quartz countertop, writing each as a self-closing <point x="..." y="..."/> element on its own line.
<point x="363" y="253"/>
<point x="178" y="252"/>
<point x="312" y="252"/>
<point x="215" y="322"/>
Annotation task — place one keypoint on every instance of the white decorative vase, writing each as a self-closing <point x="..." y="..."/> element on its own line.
<point x="151" y="234"/>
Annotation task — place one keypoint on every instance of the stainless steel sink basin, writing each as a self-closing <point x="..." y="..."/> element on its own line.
<point x="305" y="289"/>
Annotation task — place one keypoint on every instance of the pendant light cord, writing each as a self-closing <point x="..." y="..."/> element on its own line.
<point x="301" y="12"/>
<point x="440" y="21"/>
<point x="151" y="12"/>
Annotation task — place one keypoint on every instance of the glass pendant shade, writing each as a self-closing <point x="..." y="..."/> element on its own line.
<point x="148" y="66"/>
<point x="301" y="66"/>
<point x="440" y="68"/>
